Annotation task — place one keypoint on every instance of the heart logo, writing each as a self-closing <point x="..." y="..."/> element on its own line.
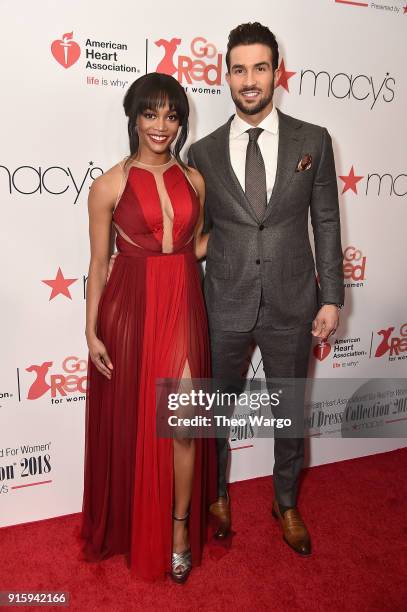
<point x="66" y="51"/>
<point x="322" y="350"/>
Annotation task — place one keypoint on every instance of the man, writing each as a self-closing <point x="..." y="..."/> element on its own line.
<point x="264" y="171"/>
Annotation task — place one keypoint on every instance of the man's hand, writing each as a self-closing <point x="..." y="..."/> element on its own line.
<point x="326" y="321"/>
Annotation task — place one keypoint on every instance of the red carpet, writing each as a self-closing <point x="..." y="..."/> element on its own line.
<point x="355" y="510"/>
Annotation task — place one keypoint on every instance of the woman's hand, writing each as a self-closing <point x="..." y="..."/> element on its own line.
<point x="99" y="356"/>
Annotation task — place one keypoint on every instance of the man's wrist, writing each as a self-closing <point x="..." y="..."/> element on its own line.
<point x="339" y="306"/>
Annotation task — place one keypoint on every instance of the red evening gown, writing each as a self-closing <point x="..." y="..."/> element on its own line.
<point x="152" y="320"/>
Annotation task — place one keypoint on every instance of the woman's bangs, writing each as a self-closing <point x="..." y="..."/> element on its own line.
<point x="156" y="96"/>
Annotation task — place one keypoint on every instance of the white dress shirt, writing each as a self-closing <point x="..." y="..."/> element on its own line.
<point x="268" y="143"/>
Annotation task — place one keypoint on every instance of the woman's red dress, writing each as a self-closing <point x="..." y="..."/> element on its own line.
<point x="152" y="320"/>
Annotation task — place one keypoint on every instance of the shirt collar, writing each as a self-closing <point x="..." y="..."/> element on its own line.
<point x="269" y="124"/>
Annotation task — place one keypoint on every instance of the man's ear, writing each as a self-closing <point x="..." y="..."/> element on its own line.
<point x="276" y="76"/>
<point x="227" y="78"/>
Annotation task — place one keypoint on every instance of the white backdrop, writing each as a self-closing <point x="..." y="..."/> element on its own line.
<point x="65" y="68"/>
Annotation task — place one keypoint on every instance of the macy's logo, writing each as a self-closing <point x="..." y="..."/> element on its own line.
<point x="66" y="51"/>
<point x="54" y="180"/>
<point x="363" y="88"/>
<point x="70" y="381"/>
<point x="59" y="285"/>
<point x="393" y="345"/>
<point x="392" y="185"/>
<point x="204" y="63"/>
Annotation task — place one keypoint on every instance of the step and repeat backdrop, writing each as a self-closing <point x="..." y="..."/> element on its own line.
<point x="66" y="66"/>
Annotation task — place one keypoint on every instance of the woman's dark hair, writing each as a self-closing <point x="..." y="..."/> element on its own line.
<point x="153" y="91"/>
<point x="251" y="34"/>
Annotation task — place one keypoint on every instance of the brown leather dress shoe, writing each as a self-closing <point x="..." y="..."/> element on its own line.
<point x="221" y="511"/>
<point x="295" y="533"/>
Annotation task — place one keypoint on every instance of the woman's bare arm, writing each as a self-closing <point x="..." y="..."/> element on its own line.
<point x="101" y="202"/>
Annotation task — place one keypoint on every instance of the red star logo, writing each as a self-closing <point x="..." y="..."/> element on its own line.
<point x="283" y="77"/>
<point x="60" y="285"/>
<point x="350" y="181"/>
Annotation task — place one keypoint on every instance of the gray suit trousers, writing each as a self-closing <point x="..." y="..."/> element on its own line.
<point x="285" y="354"/>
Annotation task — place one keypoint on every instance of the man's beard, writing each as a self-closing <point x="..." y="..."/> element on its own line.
<point x="253" y="110"/>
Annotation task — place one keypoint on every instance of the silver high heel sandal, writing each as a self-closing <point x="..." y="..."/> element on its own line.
<point x="181" y="563"/>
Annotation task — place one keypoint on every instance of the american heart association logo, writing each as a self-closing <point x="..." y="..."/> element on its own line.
<point x="322" y="350"/>
<point x="66" y="51"/>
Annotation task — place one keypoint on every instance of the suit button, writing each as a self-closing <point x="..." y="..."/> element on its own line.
<point x="257" y="261"/>
<point x="261" y="227"/>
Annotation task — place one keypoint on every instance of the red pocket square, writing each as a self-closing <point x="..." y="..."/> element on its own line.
<point x="305" y="163"/>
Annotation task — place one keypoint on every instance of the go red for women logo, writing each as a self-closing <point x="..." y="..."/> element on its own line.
<point x="71" y="380"/>
<point x="202" y="63"/>
<point x="66" y="51"/>
<point x="354" y="264"/>
<point x="393" y="342"/>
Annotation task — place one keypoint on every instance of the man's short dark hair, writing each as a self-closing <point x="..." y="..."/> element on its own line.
<point x="252" y="34"/>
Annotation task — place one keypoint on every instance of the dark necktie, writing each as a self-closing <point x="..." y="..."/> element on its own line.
<point x="255" y="180"/>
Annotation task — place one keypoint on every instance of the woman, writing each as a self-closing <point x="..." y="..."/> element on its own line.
<point x="146" y="496"/>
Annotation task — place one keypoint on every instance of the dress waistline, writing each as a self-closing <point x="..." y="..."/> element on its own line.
<point x="144" y="254"/>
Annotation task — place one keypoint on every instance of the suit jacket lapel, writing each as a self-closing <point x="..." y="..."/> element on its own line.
<point x="224" y="170"/>
<point x="289" y="148"/>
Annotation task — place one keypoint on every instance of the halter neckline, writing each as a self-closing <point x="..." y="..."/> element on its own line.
<point x="136" y="161"/>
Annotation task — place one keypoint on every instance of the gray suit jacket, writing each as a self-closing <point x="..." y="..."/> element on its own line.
<point x="247" y="255"/>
